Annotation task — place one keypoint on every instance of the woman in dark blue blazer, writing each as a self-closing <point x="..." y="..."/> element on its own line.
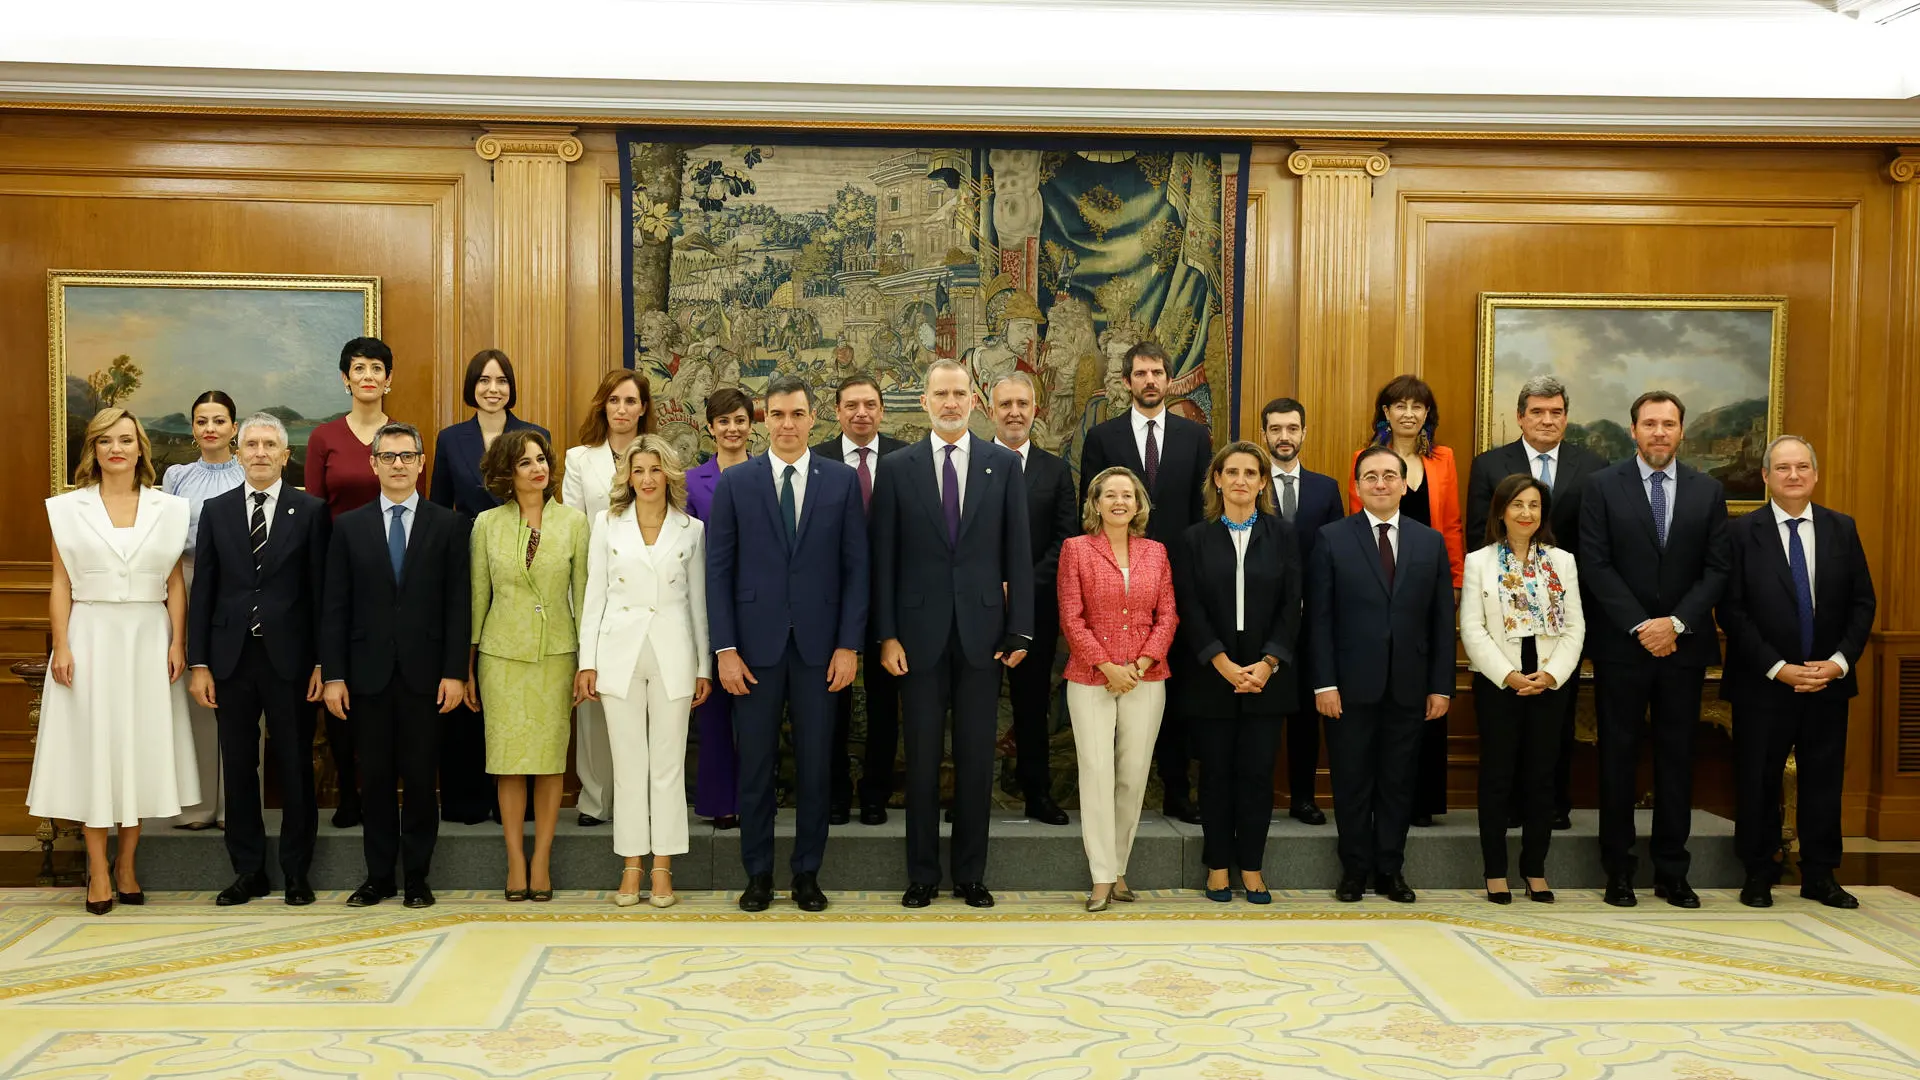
<point x="466" y="792"/>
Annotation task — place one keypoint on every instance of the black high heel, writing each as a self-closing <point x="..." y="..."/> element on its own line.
<point x="1502" y="898"/>
<point x="1544" y="896"/>
<point x="96" y="907"/>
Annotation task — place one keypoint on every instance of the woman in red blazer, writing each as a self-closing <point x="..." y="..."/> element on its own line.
<point x="1117" y="612"/>
<point x="1406" y="418"/>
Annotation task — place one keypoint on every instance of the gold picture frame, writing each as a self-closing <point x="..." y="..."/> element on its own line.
<point x="151" y="341"/>
<point x="1725" y="356"/>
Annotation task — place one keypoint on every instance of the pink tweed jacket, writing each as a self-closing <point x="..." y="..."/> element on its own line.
<point x="1105" y="619"/>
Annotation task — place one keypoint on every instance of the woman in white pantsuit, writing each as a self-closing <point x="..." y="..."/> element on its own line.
<point x="622" y="411"/>
<point x="115" y="744"/>
<point x="643" y="655"/>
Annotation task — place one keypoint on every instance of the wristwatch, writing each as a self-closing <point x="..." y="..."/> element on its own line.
<point x="1272" y="661"/>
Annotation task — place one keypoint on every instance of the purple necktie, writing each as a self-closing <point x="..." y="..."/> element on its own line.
<point x="1153" y="457"/>
<point x="866" y="478"/>
<point x="950" y="497"/>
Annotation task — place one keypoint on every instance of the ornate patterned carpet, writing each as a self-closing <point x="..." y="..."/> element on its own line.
<point x="1174" y="986"/>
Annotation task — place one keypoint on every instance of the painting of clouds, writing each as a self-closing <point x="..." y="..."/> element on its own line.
<point x="151" y="343"/>
<point x="1720" y="355"/>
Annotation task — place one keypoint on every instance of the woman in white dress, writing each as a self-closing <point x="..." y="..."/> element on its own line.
<point x="643" y="655"/>
<point x="622" y="411"/>
<point x="115" y="744"/>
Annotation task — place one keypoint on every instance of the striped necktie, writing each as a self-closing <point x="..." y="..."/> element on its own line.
<point x="257" y="530"/>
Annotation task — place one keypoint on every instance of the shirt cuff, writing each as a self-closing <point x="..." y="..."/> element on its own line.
<point x="729" y="648"/>
<point x="1836" y="658"/>
<point x="203" y="667"/>
<point x="1774" y="671"/>
<point x="333" y="682"/>
<point x="1324" y="689"/>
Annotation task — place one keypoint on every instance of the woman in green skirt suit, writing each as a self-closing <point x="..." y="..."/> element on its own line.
<point x="529" y="585"/>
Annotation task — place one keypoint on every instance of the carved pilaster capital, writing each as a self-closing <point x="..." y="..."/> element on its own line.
<point x="530" y="141"/>
<point x="1338" y="155"/>
<point x="1905" y="169"/>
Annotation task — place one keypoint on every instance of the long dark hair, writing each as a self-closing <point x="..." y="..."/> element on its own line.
<point x="1406" y="388"/>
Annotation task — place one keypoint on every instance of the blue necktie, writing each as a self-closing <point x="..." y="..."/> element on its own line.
<point x="1802" y="585"/>
<point x="1659" y="501"/>
<point x="397" y="541"/>
<point x="1546" y="470"/>
<point x="950" y="496"/>
<point x="787" y="515"/>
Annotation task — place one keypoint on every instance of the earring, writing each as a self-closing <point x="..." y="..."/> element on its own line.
<point x="386" y="390"/>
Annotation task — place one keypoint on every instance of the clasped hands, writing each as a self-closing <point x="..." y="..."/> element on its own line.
<point x="1247" y="679"/>
<point x="1809" y="678"/>
<point x="1530" y="685"/>
<point x="1122" y="678"/>
<point x="1658" y="636"/>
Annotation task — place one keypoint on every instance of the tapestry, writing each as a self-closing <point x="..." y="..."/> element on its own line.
<point x="829" y="256"/>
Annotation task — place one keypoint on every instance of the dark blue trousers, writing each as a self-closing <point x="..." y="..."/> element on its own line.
<point x="790" y="688"/>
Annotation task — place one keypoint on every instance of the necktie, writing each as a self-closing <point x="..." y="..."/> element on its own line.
<point x="866" y="479"/>
<point x="1152" y="461"/>
<point x="397" y="541"/>
<point x="1802" y="585"/>
<point x="788" y="516"/>
<point x="1386" y="555"/>
<point x="1546" y="470"/>
<point x="950" y="496"/>
<point x="1659" y="501"/>
<point x="1289" y="499"/>
<point x="257" y="528"/>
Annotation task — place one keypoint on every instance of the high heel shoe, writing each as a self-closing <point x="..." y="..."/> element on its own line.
<point x="1540" y="896"/>
<point x="1097" y="901"/>
<point x="1500" y="897"/>
<point x="1221" y="895"/>
<point x="624" y="898"/>
<point x="96" y="907"/>
<point x="668" y="899"/>
<point x="1123" y="893"/>
<point x="131" y="899"/>
<point x="1257" y="896"/>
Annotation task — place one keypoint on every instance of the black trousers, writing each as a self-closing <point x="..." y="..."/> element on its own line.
<point x="399" y="736"/>
<point x="1374" y="751"/>
<point x="926" y="691"/>
<point x="253" y="689"/>
<point x="1668" y="694"/>
<point x="1430" y="781"/>
<point x="1812" y="727"/>
<point x="342" y="747"/>
<point x="882" y="747"/>
<point x="797" y="690"/>
<point x="1303" y="754"/>
<point x="467" y="793"/>
<point x="1173" y="750"/>
<point x="1563" y="763"/>
<point x="1519" y="743"/>
<point x="1030" y="692"/>
<point x="1236" y="787"/>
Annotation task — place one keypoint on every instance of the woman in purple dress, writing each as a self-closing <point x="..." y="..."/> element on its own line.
<point x="717" y="788"/>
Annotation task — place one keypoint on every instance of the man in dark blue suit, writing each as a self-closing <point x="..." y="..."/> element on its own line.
<point x="1378" y="579"/>
<point x="1653" y="562"/>
<point x="953" y="600"/>
<point x="787" y="613"/>
<point x="1797" y="612"/>
<point x="1310" y="501"/>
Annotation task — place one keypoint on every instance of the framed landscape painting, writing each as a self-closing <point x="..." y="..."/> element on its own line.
<point x="1724" y="356"/>
<point x="151" y="342"/>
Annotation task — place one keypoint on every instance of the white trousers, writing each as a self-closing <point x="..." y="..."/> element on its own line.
<point x="212" y="806"/>
<point x="647" y="731"/>
<point x="1113" y="739"/>
<point x="593" y="760"/>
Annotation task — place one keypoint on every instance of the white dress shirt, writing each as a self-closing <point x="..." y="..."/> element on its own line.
<point x="1780" y="519"/>
<point x="1533" y="461"/>
<point x="961" y="448"/>
<point x="850" y="453"/>
<point x="1239" y="538"/>
<point x="386" y="514"/>
<point x="266" y="508"/>
<point x="1140" y="433"/>
<point x="800" y="467"/>
<point x="1018" y="451"/>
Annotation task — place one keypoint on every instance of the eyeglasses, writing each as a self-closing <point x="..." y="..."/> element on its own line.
<point x="404" y="457"/>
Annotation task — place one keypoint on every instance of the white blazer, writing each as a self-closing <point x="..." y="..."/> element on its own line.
<point x="91" y="547"/>
<point x="638" y="592"/>
<point x="1483" y="622"/>
<point x="586" y="483"/>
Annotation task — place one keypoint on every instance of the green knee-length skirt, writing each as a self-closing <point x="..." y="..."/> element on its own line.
<point x="529" y="713"/>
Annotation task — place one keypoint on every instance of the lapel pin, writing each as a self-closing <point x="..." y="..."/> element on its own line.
<point x="989" y="472"/>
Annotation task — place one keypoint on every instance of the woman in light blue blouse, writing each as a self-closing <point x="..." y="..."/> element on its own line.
<point x="217" y="471"/>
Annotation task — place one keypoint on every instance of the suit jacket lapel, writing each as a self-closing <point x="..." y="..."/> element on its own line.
<point x="143" y="522"/>
<point x="93" y="510"/>
<point x="1130" y="450"/>
<point x="1369" y="542"/>
<point x="286" y="518"/>
<point x="814" y="483"/>
<point x="1827" y="558"/>
<point x="768" y="497"/>
<point x="979" y="475"/>
<point x="926" y="490"/>
<point x="1773" y="553"/>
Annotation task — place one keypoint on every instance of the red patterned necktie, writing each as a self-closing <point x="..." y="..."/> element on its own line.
<point x="866" y="478"/>
<point x="1152" y="461"/>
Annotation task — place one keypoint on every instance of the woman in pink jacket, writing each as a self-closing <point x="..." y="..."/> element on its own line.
<point x="1117" y="611"/>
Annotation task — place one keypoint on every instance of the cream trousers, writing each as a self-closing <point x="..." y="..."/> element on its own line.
<point x="1113" y="738"/>
<point x="647" y="731"/>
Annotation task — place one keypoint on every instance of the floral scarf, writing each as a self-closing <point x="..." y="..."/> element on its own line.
<point x="1531" y="596"/>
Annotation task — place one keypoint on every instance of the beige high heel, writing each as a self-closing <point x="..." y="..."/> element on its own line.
<point x="656" y="898"/>
<point x="624" y="898"/>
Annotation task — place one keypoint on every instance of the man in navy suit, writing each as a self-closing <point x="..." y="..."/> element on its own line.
<point x="1797" y="612"/>
<point x="253" y="638"/>
<point x="953" y="600"/>
<point x="1378" y="579"/>
<point x="1653" y="561"/>
<point x="1310" y="501"/>
<point x="787" y="614"/>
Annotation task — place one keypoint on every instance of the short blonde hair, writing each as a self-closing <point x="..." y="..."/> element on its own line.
<point x="621" y="497"/>
<point x="87" y="472"/>
<point x="1090" y="510"/>
<point x="1262" y="501"/>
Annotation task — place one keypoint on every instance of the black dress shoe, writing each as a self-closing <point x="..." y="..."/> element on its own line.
<point x="418" y="895"/>
<point x="974" y="893"/>
<point x="1514" y="822"/>
<point x="1307" y="813"/>
<point x="1045" y="811"/>
<point x="948" y="816"/>
<point x="588" y="821"/>
<point x="1394" y="887"/>
<point x="370" y="893"/>
<point x="131" y="899"/>
<point x="1421" y="821"/>
<point x="347" y="816"/>
<point x="806" y="893"/>
<point x="919" y="896"/>
<point x="758" y="893"/>
<point x="1562" y="823"/>
<point x="244" y="888"/>
<point x="298" y="892"/>
<point x="873" y="814"/>
<point x="1677" y="892"/>
<point x="1757" y="891"/>
<point x="726" y="822"/>
<point x="1828" y="891"/>
<point x="839" y="814"/>
<point x="1620" y="891"/>
<point x="1351" y="889"/>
